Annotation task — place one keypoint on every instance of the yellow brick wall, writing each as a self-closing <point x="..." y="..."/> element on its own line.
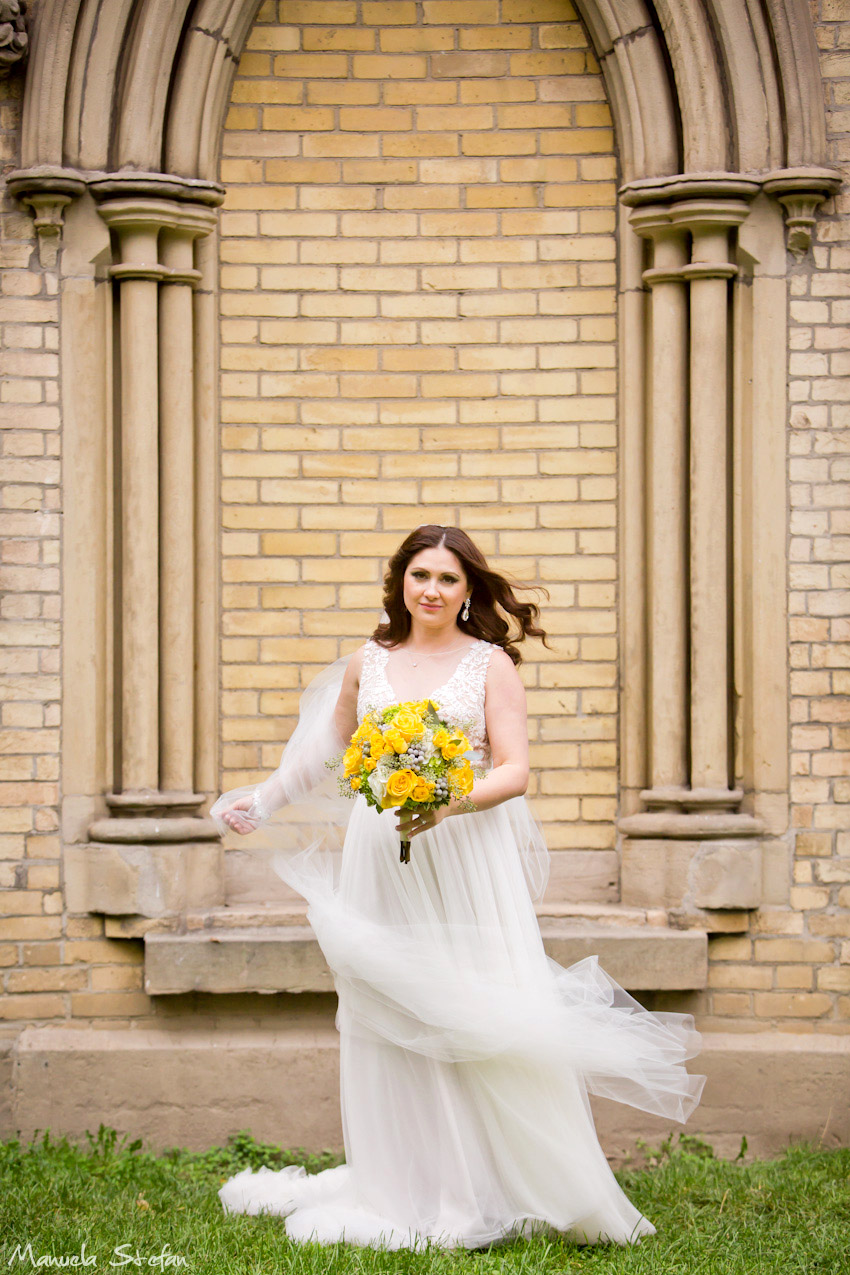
<point x="31" y="902"/>
<point x="418" y="324"/>
<point x="320" y="476"/>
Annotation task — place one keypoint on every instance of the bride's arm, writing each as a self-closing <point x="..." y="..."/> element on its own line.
<point x="345" y="713"/>
<point x="506" y="718"/>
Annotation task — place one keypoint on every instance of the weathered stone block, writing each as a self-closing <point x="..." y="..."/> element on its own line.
<point x="677" y="874"/>
<point x="727" y="875"/>
<point x="655" y="873"/>
<point x="143" y="880"/>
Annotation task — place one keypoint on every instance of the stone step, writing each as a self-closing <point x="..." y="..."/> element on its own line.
<point x="247" y="916"/>
<point x="274" y="950"/>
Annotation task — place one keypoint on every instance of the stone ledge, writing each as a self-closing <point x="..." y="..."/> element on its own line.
<point x="641" y="959"/>
<point x="287" y="958"/>
<point x="247" y="916"/>
<point x="267" y="959"/>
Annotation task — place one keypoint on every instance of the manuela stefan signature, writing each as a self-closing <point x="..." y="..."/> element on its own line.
<point x="121" y="1256"/>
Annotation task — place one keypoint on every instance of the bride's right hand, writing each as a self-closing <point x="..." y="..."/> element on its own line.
<point x="235" y="820"/>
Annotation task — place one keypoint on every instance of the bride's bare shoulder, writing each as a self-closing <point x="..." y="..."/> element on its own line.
<point x="501" y="670"/>
<point x="500" y="661"/>
<point x="355" y="667"/>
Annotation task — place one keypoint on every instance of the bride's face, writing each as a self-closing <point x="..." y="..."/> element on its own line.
<point x="435" y="587"/>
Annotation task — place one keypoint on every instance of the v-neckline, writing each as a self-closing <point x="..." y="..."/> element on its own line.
<point x="432" y="695"/>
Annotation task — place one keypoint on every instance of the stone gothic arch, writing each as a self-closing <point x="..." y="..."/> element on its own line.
<point x="707" y="87"/>
<point x="719" y="120"/>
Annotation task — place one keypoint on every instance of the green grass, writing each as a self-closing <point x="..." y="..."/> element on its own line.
<point x="714" y="1217"/>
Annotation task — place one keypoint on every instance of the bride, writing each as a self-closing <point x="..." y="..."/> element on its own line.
<point x="466" y="1055"/>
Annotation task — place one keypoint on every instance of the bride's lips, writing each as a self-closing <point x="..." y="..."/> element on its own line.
<point x="429" y="606"/>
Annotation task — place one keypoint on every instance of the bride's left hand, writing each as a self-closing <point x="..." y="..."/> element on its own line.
<point x="412" y="822"/>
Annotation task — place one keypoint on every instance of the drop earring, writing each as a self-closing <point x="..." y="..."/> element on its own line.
<point x="464" y="615"/>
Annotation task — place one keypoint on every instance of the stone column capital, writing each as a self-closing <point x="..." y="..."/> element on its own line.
<point x="653" y="221"/>
<point x="129" y="183"/>
<point x="141" y="212"/>
<point x="45" y="179"/>
<point x="703" y="217"/>
<point x="670" y="250"/>
<point x="801" y="191"/>
<point x="48" y="191"/>
<point x="139" y="220"/>
<point x="177" y="239"/>
<point x="689" y="186"/>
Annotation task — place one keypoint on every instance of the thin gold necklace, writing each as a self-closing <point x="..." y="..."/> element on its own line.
<point x="433" y="655"/>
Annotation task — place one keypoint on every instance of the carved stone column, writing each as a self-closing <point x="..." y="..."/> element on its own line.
<point x="136" y="224"/>
<point x="691" y="848"/>
<point x="157" y="854"/>
<point x="177" y="498"/>
<point x="666" y="501"/>
<point x="709" y="271"/>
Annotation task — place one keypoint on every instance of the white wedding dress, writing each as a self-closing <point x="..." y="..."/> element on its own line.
<point x="466" y="1055"/>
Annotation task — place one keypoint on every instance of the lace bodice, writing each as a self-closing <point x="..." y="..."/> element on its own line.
<point x="460" y="699"/>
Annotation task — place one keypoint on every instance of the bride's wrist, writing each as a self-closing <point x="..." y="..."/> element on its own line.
<point x="256" y="810"/>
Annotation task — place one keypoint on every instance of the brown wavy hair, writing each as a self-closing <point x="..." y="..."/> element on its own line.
<point x="493" y="605"/>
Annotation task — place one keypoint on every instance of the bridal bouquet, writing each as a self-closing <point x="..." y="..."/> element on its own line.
<point x="406" y="756"/>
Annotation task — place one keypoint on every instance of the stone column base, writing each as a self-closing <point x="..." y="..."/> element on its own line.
<point x="703" y="865"/>
<point x="149" y="880"/>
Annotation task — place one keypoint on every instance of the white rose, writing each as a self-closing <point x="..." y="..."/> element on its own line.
<point x="378" y="779"/>
<point x="377" y="785"/>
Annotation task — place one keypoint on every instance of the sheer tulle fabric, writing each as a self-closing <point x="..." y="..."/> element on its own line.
<point x="466" y="1054"/>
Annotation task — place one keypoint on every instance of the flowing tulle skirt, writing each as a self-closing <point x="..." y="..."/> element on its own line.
<point x="466" y="1054"/>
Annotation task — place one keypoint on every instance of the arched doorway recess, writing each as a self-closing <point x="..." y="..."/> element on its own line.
<point x="719" y="120"/>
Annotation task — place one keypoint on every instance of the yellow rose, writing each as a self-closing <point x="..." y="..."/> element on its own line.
<point x="463" y="779"/>
<point x="399" y="787"/>
<point x="355" y="782"/>
<point x="440" y="737"/>
<point x="377" y="745"/>
<point x="370" y="763"/>
<point x="352" y="760"/>
<point x="395" y="739"/>
<point x="361" y="733"/>
<point x="422" y="791"/>
<point x="409" y="723"/>
<point x="456" y="745"/>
